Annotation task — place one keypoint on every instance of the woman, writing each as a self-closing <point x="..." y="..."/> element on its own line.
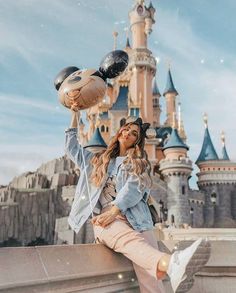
<point x="115" y="185"/>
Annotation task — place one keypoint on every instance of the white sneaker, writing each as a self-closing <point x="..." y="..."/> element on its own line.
<point x="183" y="263"/>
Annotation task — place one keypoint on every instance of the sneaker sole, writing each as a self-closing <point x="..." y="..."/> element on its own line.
<point x="197" y="261"/>
<point x="185" y="286"/>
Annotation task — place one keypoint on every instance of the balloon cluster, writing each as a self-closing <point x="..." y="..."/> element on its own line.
<point x="82" y="89"/>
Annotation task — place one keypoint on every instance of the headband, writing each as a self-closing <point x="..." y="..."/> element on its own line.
<point x="143" y="126"/>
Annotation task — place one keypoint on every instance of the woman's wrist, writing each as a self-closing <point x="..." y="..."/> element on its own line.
<point x="75" y="116"/>
<point x="115" y="210"/>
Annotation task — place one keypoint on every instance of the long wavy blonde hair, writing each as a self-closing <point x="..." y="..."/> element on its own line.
<point x="136" y="158"/>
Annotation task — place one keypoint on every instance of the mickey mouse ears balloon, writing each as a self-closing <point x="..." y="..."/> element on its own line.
<point x="114" y="63"/>
<point x="63" y="74"/>
<point x="79" y="90"/>
<point x="82" y="90"/>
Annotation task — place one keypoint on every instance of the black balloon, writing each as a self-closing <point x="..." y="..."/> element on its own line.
<point x="63" y="74"/>
<point x="114" y="63"/>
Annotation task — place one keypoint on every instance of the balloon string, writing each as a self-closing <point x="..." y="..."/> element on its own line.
<point x="86" y="175"/>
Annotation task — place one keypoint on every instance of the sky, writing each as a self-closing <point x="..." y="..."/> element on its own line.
<point x="40" y="37"/>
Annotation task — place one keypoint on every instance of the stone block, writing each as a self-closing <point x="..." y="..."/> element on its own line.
<point x="21" y="265"/>
<point x="59" y="180"/>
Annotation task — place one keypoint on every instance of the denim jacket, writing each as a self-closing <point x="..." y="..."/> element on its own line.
<point x="131" y="196"/>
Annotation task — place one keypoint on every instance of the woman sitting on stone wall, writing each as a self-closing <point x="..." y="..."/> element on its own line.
<point x="115" y="185"/>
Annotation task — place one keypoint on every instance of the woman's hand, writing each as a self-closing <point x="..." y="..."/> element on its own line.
<point x="106" y="218"/>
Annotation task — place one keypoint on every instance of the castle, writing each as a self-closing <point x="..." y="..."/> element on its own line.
<point x="135" y="93"/>
<point x="36" y="204"/>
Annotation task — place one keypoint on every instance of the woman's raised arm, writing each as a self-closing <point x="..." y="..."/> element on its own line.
<point x="74" y="119"/>
<point x="73" y="148"/>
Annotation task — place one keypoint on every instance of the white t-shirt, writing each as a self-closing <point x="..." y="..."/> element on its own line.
<point x="109" y="191"/>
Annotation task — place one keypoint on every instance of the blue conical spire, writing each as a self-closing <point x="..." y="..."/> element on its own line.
<point x="224" y="151"/>
<point x="170" y="88"/>
<point x="225" y="154"/>
<point x="175" y="141"/>
<point x="96" y="140"/>
<point x="150" y="5"/>
<point x="208" y="151"/>
<point x="127" y="43"/>
<point x="155" y="89"/>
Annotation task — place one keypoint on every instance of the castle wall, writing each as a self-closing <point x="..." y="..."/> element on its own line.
<point x="233" y="202"/>
<point x="221" y="213"/>
<point x="196" y="202"/>
<point x="177" y="202"/>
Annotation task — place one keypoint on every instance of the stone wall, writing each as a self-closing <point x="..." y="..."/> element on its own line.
<point x="31" y="203"/>
<point x="31" y="217"/>
<point x="30" y="180"/>
<point x="220" y="214"/>
<point x="196" y="201"/>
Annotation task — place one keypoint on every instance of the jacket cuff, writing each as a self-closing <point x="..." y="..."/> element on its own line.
<point x="72" y="130"/>
<point x="120" y="206"/>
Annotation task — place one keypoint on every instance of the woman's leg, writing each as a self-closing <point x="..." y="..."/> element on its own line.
<point x="148" y="283"/>
<point x="120" y="237"/>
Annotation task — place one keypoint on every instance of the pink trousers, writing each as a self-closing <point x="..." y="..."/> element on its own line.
<point x="140" y="248"/>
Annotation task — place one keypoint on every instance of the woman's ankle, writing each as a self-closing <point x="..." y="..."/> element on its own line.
<point x="163" y="265"/>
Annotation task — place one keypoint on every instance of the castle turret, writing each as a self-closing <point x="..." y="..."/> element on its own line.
<point x="176" y="168"/>
<point x="170" y="94"/>
<point x="156" y="104"/>
<point x="224" y="151"/>
<point x="217" y="179"/>
<point x="142" y="64"/>
<point x="181" y="130"/>
<point x="119" y="110"/>
<point x="96" y="143"/>
<point x="207" y="151"/>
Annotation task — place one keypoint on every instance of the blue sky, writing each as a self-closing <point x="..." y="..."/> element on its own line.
<point x="39" y="38"/>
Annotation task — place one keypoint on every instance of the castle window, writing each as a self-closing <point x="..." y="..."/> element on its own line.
<point x="107" y="129"/>
<point x="102" y="128"/>
<point x="183" y="189"/>
<point x="134" y="112"/>
<point x="155" y="102"/>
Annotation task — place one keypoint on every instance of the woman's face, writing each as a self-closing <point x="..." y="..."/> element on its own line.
<point x="129" y="135"/>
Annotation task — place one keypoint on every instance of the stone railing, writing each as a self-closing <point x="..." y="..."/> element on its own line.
<point x="93" y="268"/>
<point x="193" y="234"/>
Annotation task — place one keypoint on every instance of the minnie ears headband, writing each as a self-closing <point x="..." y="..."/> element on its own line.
<point x="143" y="126"/>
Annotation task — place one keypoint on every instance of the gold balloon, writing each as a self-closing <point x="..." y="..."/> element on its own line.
<point x="82" y="90"/>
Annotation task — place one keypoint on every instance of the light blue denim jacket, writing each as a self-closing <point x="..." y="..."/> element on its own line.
<point x="131" y="196"/>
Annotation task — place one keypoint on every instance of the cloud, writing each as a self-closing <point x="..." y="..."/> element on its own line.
<point x="14" y="100"/>
<point x="19" y="158"/>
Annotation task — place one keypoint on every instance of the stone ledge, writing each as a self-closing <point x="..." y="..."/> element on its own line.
<point x="61" y="268"/>
<point x="176" y="234"/>
<point x="96" y="269"/>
